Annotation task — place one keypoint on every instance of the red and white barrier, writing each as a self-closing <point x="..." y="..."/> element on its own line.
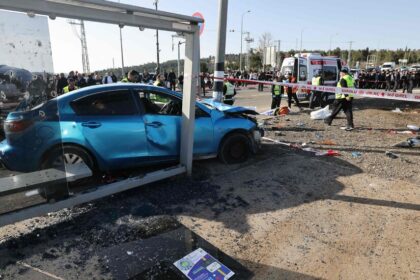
<point x="373" y="93"/>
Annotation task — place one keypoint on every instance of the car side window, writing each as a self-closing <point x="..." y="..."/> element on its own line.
<point x="112" y="103"/>
<point x="158" y="103"/>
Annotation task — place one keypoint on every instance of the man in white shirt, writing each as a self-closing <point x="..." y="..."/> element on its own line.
<point x="107" y="79"/>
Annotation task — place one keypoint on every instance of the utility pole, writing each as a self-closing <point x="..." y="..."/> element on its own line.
<point x="278" y="59"/>
<point x="219" y="66"/>
<point x="122" y="50"/>
<point x="349" y="58"/>
<point x="82" y="38"/>
<point x="122" y="53"/>
<point x="242" y="40"/>
<point x="157" y="40"/>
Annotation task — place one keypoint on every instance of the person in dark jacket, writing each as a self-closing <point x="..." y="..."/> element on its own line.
<point x="172" y="80"/>
<point x="261" y="77"/>
<point x="62" y="83"/>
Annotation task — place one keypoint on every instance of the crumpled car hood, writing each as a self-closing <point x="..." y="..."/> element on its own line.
<point x="229" y="109"/>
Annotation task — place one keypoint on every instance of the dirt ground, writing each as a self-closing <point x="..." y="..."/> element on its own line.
<point x="284" y="214"/>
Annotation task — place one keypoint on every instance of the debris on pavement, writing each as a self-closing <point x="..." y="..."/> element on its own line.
<point x="397" y="110"/>
<point x="327" y="142"/>
<point x="409" y="143"/>
<point x="356" y="154"/>
<point x="391" y="155"/>
<point x="330" y="153"/>
<point x="321" y="113"/>
<point x="413" y="127"/>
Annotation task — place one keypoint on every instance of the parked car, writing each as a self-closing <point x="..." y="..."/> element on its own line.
<point x="415" y="68"/>
<point x="119" y="126"/>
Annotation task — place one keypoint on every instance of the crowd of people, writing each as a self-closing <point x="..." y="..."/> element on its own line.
<point x="75" y="80"/>
<point x="391" y="80"/>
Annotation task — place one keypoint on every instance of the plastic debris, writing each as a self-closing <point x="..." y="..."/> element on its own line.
<point x="321" y="113"/>
<point x="391" y="155"/>
<point x="401" y="132"/>
<point x="356" y="154"/>
<point x="129" y="253"/>
<point x="327" y="142"/>
<point x="397" y="110"/>
<point x="300" y="124"/>
<point x="409" y="143"/>
<point x="413" y="127"/>
<point x="318" y="135"/>
<point x="330" y="153"/>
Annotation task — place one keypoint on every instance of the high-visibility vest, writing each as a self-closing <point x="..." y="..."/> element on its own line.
<point x="350" y="84"/>
<point x="277" y="91"/>
<point x="125" y="80"/>
<point x="67" y="89"/>
<point x="230" y="91"/>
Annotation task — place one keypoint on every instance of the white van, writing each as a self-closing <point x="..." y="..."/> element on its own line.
<point x="310" y="64"/>
<point x="388" y="66"/>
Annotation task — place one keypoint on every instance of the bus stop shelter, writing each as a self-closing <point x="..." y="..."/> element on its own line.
<point x="123" y="15"/>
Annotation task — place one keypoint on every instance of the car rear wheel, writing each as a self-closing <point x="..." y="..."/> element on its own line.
<point x="234" y="149"/>
<point x="58" y="158"/>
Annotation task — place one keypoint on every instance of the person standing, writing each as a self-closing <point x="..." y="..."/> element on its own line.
<point x="388" y="79"/>
<point x="396" y="80"/>
<point x="276" y="93"/>
<point x="107" y="79"/>
<point x="291" y="91"/>
<point x="404" y="80"/>
<point x="132" y="77"/>
<point x="181" y="81"/>
<point x="261" y="77"/>
<point x="62" y="82"/>
<point x="160" y="81"/>
<point x="71" y="86"/>
<point x="411" y="80"/>
<point x="172" y="80"/>
<point x="343" y="101"/>
<point x="228" y="92"/>
<point x="316" y="95"/>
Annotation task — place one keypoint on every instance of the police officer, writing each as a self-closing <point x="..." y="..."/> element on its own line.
<point x="228" y="93"/>
<point x="132" y="77"/>
<point x="316" y="95"/>
<point x="343" y="101"/>
<point x="276" y="93"/>
<point x="70" y="87"/>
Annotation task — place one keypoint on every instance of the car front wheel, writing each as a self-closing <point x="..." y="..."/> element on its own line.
<point x="58" y="158"/>
<point x="235" y="148"/>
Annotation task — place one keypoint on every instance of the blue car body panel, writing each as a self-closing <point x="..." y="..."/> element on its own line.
<point x="117" y="141"/>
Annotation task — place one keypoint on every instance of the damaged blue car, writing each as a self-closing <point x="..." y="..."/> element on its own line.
<point x="121" y="126"/>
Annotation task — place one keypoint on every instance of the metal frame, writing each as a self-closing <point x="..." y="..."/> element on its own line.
<point x="123" y="15"/>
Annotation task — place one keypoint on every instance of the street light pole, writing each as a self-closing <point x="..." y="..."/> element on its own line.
<point x="242" y="33"/>
<point x="157" y="40"/>
<point x="179" y="57"/>
<point x="219" y="65"/>
<point x="122" y="51"/>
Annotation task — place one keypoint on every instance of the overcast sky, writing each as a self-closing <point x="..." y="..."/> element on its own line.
<point x="375" y="24"/>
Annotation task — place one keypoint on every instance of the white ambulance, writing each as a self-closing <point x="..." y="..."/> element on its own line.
<point x="310" y="64"/>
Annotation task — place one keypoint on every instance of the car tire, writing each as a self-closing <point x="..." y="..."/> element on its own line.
<point x="235" y="148"/>
<point x="55" y="159"/>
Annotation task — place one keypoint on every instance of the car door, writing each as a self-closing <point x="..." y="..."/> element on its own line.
<point x="112" y="127"/>
<point x="162" y="119"/>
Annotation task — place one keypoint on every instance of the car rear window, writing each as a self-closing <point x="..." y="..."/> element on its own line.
<point x="112" y="103"/>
